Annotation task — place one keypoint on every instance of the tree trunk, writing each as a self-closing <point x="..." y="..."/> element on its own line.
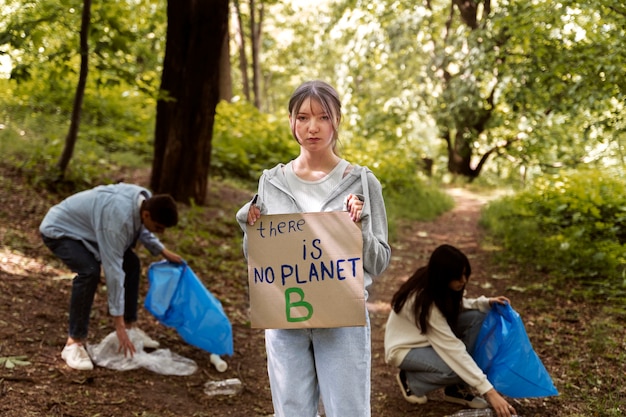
<point x="255" y="40"/>
<point x="226" y="83"/>
<point x="460" y="155"/>
<point x="72" y="134"/>
<point x="189" y="96"/>
<point x="243" y="59"/>
<point x="468" y="127"/>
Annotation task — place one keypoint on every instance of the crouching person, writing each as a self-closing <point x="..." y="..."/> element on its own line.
<point x="432" y="328"/>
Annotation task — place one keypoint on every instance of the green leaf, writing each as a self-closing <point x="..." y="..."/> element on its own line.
<point x="10" y="362"/>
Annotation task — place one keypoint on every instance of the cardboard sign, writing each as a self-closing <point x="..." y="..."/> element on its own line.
<point x="305" y="270"/>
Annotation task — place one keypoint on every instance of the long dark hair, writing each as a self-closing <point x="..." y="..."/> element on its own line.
<point x="430" y="284"/>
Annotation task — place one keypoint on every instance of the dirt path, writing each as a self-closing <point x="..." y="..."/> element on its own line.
<point x="458" y="227"/>
<point x="33" y="304"/>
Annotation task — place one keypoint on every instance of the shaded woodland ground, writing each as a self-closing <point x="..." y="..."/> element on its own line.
<point x="580" y="344"/>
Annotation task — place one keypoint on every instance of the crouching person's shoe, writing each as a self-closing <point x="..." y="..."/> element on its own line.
<point x="460" y="394"/>
<point x="406" y="391"/>
<point x="77" y="357"/>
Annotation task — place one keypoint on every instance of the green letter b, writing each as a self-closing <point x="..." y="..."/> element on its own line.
<point x="289" y="305"/>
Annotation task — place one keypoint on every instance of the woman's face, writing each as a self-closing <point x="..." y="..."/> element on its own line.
<point x="313" y="127"/>
<point x="458" y="284"/>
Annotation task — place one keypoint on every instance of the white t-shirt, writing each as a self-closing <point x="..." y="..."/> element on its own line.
<point x="311" y="194"/>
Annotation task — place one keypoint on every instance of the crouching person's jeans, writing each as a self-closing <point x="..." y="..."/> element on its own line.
<point x="84" y="264"/>
<point x="426" y="371"/>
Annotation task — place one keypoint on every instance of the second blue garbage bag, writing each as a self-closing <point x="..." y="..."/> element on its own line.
<point x="504" y="352"/>
<point x="177" y="298"/>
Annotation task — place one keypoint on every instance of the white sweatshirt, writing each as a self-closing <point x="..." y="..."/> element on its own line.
<point x="402" y="335"/>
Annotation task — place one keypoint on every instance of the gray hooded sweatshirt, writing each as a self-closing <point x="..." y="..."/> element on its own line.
<point x="275" y="197"/>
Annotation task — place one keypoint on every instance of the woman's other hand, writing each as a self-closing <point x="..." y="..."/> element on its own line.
<point x="502" y="300"/>
<point x="254" y="212"/>
<point x="499" y="404"/>
<point x="355" y="207"/>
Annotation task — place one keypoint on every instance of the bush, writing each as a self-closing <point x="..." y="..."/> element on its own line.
<point x="246" y="141"/>
<point x="571" y="225"/>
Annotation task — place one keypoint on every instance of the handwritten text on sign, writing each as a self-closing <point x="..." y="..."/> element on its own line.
<point x="305" y="270"/>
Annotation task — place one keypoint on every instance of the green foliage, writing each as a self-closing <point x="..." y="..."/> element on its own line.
<point x="408" y="194"/>
<point x="422" y="202"/>
<point x="118" y="112"/>
<point x="385" y="57"/>
<point x="210" y="239"/>
<point x="10" y="362"/>
<point x="572" y="225"/>
<point x="119" y="117"/>
<point x="246" y="141"/>
<point x="126" y="41"/>
<point x="32" y="137"/>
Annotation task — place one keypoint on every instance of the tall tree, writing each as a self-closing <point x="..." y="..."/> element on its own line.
<point x="243" y="58"/>
<point x="226" y="83"/>
<point x="189" y="96"/>
<point x="70" y="140"/>
<point x="256" y="23"/>
<point x="72" y="66"/>
<point x="514" y="83"/>
<point x="250" y="29"/>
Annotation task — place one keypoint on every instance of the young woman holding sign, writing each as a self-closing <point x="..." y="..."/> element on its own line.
<point x="331" y="363"/>
<point x="432" y="328"/>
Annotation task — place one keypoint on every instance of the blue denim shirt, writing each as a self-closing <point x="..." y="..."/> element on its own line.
<point x="108" y="222"/>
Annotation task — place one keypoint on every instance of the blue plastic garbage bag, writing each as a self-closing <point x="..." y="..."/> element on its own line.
<point x="177" y="298"/>
<point x="503" y="351"/>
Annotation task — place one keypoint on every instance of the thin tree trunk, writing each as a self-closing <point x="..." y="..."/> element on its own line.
<point x="72" y="134"/>
<point x="243" y="59"/>
<point x="226" y="84"/>
<point x="255" y="35"/>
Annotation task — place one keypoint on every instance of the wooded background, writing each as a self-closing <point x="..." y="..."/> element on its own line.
<point x="523" y="99"/>
<point x="527" y="95"/>
<point x="461" y="86"/>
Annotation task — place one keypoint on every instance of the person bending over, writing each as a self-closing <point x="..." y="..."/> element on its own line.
<point x="101" y="227"/>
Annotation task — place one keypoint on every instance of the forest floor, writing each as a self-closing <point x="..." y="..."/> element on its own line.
<point x="35" y="288"/>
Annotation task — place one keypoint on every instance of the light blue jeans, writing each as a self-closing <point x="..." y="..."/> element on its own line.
<point x="424" y="368"/>
<point x="304" y="364"/>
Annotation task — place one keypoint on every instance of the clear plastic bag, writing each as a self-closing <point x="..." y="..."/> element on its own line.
<point x="231" y="386"/>
<point x="485" y="412"/>
<point x="161" y="361"/>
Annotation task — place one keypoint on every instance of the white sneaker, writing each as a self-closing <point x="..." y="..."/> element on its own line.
<point x="77" y="357"/>
<point x="406" y="391"/>
<point x="147" y="341"/>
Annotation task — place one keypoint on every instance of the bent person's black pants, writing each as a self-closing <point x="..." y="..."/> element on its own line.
<point x="84" y="285"/>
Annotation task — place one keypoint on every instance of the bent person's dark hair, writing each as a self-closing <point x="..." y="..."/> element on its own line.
<point x="162" y="209"/>
<point x="429" y="284"/>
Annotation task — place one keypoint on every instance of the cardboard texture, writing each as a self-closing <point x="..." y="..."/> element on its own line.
<point x="305" y="270"/>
